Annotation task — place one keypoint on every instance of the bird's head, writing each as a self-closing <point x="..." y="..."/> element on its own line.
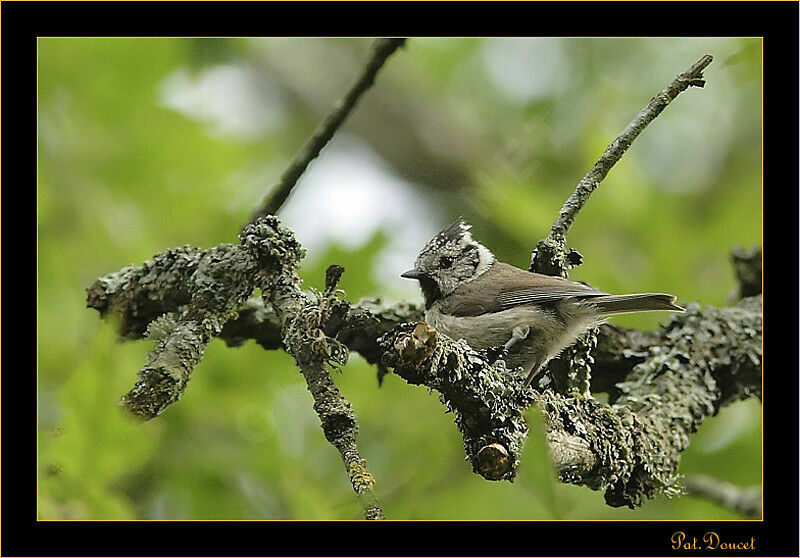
<point x="448" y="260"/>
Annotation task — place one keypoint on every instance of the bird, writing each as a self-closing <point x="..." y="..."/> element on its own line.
<point x="527" y="317"/>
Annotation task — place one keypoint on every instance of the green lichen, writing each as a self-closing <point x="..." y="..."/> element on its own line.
<point x="699" y="361"/>
<point x="702" y="360"/>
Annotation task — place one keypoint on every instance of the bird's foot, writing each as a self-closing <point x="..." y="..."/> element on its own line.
<point x="493" y="354"/>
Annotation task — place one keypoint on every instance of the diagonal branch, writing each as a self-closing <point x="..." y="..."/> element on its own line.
<point x="549" y="256"/>
<point x="382" y="49"/>
<point x="746" y="501"/>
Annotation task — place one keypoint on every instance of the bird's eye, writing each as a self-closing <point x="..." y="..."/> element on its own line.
<point x="446" y="261"/>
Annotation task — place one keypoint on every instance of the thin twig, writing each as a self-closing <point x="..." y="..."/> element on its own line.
<point x="381" y="50"/>
<point x="746" y="501"/>
<point x="549" y="255"/>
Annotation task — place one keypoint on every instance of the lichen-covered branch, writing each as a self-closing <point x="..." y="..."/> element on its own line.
<point x="184" y="298"/>
<point x="181" y="299"/>
<point x="550" y="256"/>
<point x="487" y="400"/>
<point x="382" y="49"/>
<point x="573" y="368"/>
<point x="359" y="328"/>
<point x="702" y="360"/>
<point x="139" y="294"/>
<point x="680" y="375"/>
<point x="631" y="449"/>
<point x="661" y="384"/>
<point x="747" y="265"/>
<point x="303" y="320"/>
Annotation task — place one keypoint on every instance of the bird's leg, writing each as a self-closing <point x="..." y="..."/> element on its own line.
<point x="517" y="334"/>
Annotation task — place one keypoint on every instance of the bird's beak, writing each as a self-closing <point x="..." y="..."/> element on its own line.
<point x="412" y="274"/>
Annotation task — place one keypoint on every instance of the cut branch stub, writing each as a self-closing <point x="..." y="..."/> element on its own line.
<point x="493" y="461"/>
<point x="487" y="401"/>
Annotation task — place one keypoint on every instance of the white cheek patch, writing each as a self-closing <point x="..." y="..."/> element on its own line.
<point x="485" y="256"/>
<point x="485" y="260"/>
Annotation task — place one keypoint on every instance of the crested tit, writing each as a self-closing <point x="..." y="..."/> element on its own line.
<point x="470" y="295"/>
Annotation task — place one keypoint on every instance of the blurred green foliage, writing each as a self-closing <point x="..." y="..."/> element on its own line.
<point x="123" y="175"/>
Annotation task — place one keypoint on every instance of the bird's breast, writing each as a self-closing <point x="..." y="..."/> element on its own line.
<point x="491" y="329"/>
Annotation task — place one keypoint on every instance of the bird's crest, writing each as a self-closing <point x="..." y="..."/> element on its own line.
<point x="455" y="231"/>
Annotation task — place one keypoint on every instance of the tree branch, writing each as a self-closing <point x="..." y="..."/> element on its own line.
<point x="487" y="400"/>
<point x="549" y="256"/>
<point x="673" y="378"/>
<point x="631" y="449"/>
<point x="303" y="320"/>
<point x="182" y="298"/>
<point x="664" y="383"/>
<point x="746" y="501"/>
<point x="185" y="297"/>
<point x="573" y="367"/>
<point x="359" y="328"/>
<point x="382" y="49"/>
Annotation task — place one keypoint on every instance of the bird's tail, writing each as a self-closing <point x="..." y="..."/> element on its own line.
<point x="621" y="304"/>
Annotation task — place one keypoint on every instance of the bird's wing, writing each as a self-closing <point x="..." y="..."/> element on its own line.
<point x="463" y="306"/>
<point x="536" y="295"/>
<point x="505" y="286"/>
<point x="524" y="287"/>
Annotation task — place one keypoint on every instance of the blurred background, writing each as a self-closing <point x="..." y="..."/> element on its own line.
<point x="146" y="144"/>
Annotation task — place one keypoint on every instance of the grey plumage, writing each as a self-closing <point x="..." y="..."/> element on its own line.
<point x="471" y="296"/>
